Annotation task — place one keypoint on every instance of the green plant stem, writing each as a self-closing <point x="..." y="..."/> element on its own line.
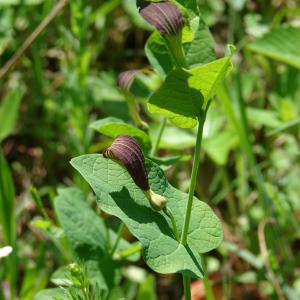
<point x="38" y="202"/>
<point x="128" y="252"/>
<point x="170" y="215"/>
<point x="193" y="180"/>
<point x="208" y="289"/>
<point x="209" y="294"/>
<point x="187" y="218"/>
<point x="187" y="287"/>
<point x="134" y="112"/>
<point x="158" y="138"/>
<point x="118" y="238"/>
<point x="174" y="43"/>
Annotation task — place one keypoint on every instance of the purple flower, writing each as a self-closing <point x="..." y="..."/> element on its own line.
<point x="127" y="150"/>
<point x="164" y="16"/>
<point x="126" y="79"/>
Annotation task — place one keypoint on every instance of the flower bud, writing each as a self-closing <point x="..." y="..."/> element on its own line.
<point x="126" y="79"/>
<point x="156" y="201"/>
<point x="127" y="150"/>
<point x="168" y="20"/>
<point x="164" y="16"/>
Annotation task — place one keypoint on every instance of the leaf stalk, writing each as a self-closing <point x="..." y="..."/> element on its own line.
<point x="158" y="139"/>
<point x="118" y="238"/>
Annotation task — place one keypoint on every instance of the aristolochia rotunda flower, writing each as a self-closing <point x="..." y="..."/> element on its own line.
<point x="127" y="151"/>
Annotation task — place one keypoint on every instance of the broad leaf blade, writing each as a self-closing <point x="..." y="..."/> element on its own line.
<point x="185" y="93"/>
<point x="51" y="294"/>
<point x="86" y="234"/>
<point x="113" y="127"/>
<point x="197" y="43"/>
<point x="201" y="50"/>
<point x="157" y="53"/>
<point x="282" y="44"/>
<point x="122" y="198"/>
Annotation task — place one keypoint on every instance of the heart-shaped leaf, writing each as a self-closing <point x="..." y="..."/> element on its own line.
<point x="185" y="93"/>
<point x="118" y="195"/>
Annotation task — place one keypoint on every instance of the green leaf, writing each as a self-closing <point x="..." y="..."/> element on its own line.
<point x="158" y="55"/>
<point x="189" y="4"/>
<point x="18" y="2"/>
<point x="201" y="49"/>
<point x="219" y="146"/>
<point x="131" y="9"/>
<point x="197" y="42"/>
<point x="113" y="127"/>
<point x="172" y="135"/>
<point x="282" y="44"/>
<point x="262" y="117"/>
<point x="88" y="237"/>
<point x="119" y="196"/>
<point x="72" y="201"/>
<point x="9" y="110"/>
<point x="168" y="161"/>
<point x="52" y="294"/>
<point x="185" y="93"/>
<point x="62" y="277"/>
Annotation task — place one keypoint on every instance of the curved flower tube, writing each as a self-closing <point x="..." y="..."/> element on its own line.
<point x="126" y="78"/>
<point x="168" y="20"/>
<point x="164" y="16"/>
<point x="127" y="150"/>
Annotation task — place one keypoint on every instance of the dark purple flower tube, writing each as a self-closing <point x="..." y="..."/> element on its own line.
<point x="126" y="78"/>
<point x="127" y="150"/>
<point x="164" y="16"/>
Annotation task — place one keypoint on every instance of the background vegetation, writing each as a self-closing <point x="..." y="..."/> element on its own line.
<point x="67" y="79"/>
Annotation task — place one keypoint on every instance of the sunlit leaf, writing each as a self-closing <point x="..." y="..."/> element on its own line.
<point x="113" y="127"/>
<point x="122" y="198"/>
<point x="282" y="44"/>
<point x="185" y="93"/>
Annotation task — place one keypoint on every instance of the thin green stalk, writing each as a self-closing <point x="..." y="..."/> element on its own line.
<point x="108" y="236"/>
<point x="128" y="252"/>
<point x="193" y="180"/>
<point x="170" y="215"/>
<point x="187" y="287"/>
<point x="174" y="43"/>
<point x="134" y="113"/>
<point x="207" y="285"/>
<point x="119" y="235"/>
<point x="38" y="202"/>
<point x="158" y="138"/>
